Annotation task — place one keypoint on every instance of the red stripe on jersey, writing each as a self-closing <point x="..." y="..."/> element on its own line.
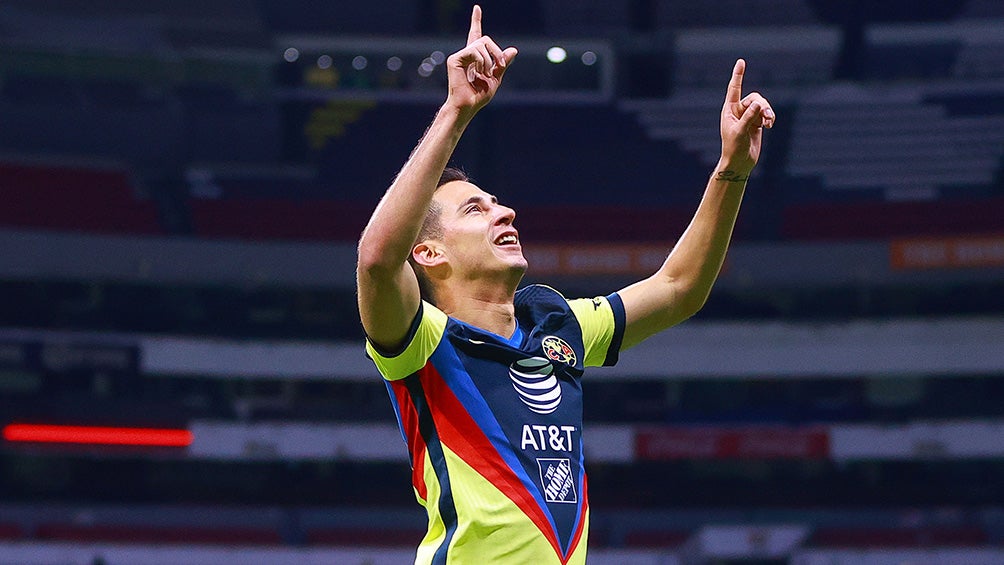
<point x="458" y="431"/>
<point x="416" y="445"/>
<point x="418" y="475"/>
<point x="580" y="522"/>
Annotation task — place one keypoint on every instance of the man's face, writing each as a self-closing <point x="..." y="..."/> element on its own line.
<point x="478" y="234"/>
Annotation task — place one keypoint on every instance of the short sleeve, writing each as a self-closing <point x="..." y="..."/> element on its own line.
<point x="602" y="322"/>
<point x="424" y="337"/>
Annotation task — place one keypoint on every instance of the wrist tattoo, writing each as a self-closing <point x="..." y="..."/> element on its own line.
<point x="731" y="176"/>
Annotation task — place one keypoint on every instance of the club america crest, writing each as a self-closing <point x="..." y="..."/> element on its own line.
<point x="558" y="349"/>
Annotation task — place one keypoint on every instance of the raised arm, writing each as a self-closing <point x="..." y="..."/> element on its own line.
<point x="388" y="290"/>
<point x="682" y="285"/>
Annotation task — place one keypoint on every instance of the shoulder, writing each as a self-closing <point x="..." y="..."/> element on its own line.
<point x="538" y="301"/>
<point x="426" y="332"/>
<point x="537" y="293"/>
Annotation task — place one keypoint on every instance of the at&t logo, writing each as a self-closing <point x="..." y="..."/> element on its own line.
<point x="534" y="381"/>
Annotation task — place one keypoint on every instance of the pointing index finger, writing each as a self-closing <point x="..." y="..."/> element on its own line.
<point x="475" y="33"/>
<point x="735" y="91"/>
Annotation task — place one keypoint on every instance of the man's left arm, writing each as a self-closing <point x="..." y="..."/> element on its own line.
<point x="682" y="285"/>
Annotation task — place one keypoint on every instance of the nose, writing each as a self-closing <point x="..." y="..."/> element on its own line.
<point x="506" y="215"/>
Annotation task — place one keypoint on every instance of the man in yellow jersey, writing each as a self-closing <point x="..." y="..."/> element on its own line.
<point x="486" y="380"/>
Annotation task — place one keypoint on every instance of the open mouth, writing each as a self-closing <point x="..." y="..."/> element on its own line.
<point x="507" y="239"/>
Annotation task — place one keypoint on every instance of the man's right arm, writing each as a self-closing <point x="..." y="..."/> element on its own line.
<point x="388" y="291"/>
<point x="387" y="286"/>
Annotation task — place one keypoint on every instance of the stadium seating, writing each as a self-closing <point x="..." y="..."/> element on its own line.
<point x="372" y="537"/>
<point x="269" y="219"/>
<point x="898" y="537"/>
<point x="11" y="532"/>
<point x="883" y="220"/>
<point x="890" y="127"/>
<point x="148" y="534"/>
<point x="671" y="14"/>
<point x="656" y="538"/>
<point x="82" y="198"/>
<point x="894" y="143"/>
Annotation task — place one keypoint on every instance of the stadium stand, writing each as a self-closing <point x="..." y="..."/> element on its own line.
<point x="74" y="198"/>
<point x="656" y="538"/>
<point x="157" y="535"/>
<point x="374" y="537"/>
<point x="898" y="537"/>
<point x="673" y="14"/>
<point x="564" y="18"/>
<point x="195" y="132"/>
<point x="776" y="56"/>
<point x="882" y="220"/>
<point x="10" y="532"/>
<point x="912" y="149"/>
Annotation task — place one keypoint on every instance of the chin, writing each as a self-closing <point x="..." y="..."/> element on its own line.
<point x="516" y="267"/>
<point x="518" y="263"/>
<point x="520" y="269"/>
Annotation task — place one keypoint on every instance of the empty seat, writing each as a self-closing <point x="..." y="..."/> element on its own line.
<point x="73" y="198"/>
<point x="10" y="531"/>
<point x="263" y="219"/>
<point x="880" y="220"/>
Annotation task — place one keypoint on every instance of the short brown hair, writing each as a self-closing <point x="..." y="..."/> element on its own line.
<point x="432" y="228"/>
<point x="451" y="174"/>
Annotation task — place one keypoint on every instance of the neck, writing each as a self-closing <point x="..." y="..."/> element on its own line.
<point x="489" y="309"/>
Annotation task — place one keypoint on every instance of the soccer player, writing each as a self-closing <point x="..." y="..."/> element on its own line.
<point x="486" y="380"/>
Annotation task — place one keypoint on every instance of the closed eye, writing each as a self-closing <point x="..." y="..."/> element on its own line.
<point x="476" y="203"/>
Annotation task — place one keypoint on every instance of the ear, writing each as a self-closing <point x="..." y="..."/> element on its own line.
<point x="428" y="254"/>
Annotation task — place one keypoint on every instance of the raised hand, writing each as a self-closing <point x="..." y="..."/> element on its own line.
<point x="743" y="120"/>
<point x="475" y="72"/>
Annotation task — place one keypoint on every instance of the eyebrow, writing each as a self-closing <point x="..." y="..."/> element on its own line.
<point x="477" y="199"/>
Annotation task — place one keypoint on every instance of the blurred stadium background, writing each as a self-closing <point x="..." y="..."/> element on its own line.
<point x="182" y="183"/>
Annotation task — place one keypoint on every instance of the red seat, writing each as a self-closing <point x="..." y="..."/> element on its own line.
<point x="265" y="219"/>
<point x="883" y="220"/>
<point x="63" y="198"/>
<point x="10" y="531"/>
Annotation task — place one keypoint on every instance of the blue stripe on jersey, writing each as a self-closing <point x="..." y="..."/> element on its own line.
<point x="614" y="349"/>
<point x="397" y="411"/>
<point x="446" y="360"/>
<point x="517" y="338"/>
<point x="434" y="450"/>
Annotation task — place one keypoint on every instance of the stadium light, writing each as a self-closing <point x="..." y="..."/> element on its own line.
<point x="556" y="54"/>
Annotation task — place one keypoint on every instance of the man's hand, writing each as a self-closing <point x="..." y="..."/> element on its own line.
<point x="743" y="120"/>
<point x="475" y="71"/>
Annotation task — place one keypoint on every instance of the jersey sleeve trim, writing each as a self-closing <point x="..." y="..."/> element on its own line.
<point x="620" y="320"/>
<point x="407" y="338"/>
<point x="601" y="320"/>
<point x="426" y="333"/>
